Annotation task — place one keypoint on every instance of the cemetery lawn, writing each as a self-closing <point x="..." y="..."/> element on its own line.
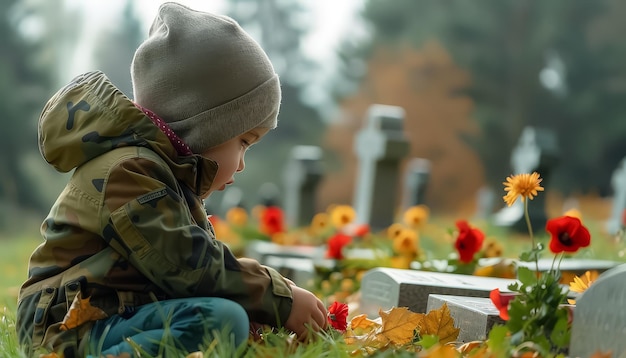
<point x="435" y="240"/>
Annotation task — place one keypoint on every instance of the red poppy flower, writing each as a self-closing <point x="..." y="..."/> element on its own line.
<point x="272" y="221"/>
<point x="336" y="244"/>
<point x="468" y="242"/>
<point x="501" y="301"/>
<point x="568" y="234"/>
<point x="338" y="316"/>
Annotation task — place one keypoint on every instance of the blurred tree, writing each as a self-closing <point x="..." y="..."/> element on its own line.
<point x="428" y="85"/>
<point x="23" y="91"/>
<point x="554" y="64"/>
<point x="116" y="48"/>
<point x="279" y="26"/>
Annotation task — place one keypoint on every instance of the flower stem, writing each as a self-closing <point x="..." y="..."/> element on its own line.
<point x="530" y="232"/>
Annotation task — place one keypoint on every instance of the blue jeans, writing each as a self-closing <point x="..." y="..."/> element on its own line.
<point x="185" y="325"/>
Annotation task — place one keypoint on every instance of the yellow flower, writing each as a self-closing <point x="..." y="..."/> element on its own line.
<point x="394" y="230"/>
<point x="342" y="215"/>
<point x="416" y="215"/>
<point x="575" y="213"/>
<point x="319" y="223"/>
<point x="237" y="216"/>
<point x="401" y="262"/>
<point x="493" y="248"/>
<point x="406" y="243"/>
<point x="524" y="185"/>
<point x="581" y="284"/>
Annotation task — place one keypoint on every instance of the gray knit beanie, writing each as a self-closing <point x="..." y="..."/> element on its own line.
<point x="205" y="76"/>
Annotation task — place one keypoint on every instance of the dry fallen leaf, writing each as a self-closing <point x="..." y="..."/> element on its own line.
<point x="81" y="311"/>
<point x="361" y="324"/>
<point x="599" y="354"/>
<point x="440" y="351"/>
<point x="399" y="324"/>
<point x="438" y="322"/>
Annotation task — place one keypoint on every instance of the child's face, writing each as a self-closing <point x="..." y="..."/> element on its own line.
<point x="230" y="157"/>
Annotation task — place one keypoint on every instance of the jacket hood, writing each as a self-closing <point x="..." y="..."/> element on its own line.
<point x="90" y="116"/>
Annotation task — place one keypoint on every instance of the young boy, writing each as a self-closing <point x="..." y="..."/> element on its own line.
<point x="128" y="252"/>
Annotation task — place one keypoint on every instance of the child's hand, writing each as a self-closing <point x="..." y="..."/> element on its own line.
<point x="308" y="314"/>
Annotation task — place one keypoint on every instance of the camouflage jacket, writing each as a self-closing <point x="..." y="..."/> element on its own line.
<point x="130" y="226"/>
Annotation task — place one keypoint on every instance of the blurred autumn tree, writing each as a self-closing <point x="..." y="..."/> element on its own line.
<point x="552" y="64"/>
<point x="428" y="85"/>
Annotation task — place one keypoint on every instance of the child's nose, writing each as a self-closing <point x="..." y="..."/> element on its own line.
<point x="242" y="164"/>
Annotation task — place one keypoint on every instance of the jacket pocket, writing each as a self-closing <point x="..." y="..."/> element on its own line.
<point x="40" y="318"/>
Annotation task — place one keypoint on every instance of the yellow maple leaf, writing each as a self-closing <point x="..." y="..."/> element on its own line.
<point x="399" y="325"/>
<point x="438" y="322"/>
<point x="81" y="311"/>
<point x="440" y="351"/>
<point x="361" y="324"/>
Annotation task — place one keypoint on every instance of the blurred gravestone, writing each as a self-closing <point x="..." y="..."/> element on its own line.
<point x="269" y="194"/>
<point x="294" y="262"/>
<point x="485" y="202"/>
<point x="384" y="288"/>
<point x="536" y="151"/>
<point x="302" y="175"/>
<point x="232" y="197"/>
<point x="380" y="147"/>
<point x="618" y="182"/>
<point x="474" y="316"/>
<point x="599" y="317"/>
<point x="415" y="182"/>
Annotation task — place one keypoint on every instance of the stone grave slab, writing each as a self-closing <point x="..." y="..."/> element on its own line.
<point x="474" y="316"/>
<point x="599" y="324"/>
<point x="384" y="288"/>
<point x="297" y="263"/>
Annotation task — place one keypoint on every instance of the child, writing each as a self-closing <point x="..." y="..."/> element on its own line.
<point x="128" y="251"/>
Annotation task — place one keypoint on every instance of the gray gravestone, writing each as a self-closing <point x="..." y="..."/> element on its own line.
<point x="302" y="175"/>
<point x="294" y="262"/>
<point x="474" y="316"/>
<point x="599" y="324"/>
<point x="416" y="180"/>
<point x="618" y="183"/>
<point x="232" y="198"/>
<point x="380" y="147"/>
<point x="536" y="151"/>
<point x="269" y="194"/>
<point x="485" y="203"/>
<point x="384" y="288"/>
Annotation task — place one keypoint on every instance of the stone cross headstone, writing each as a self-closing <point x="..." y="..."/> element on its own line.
<point x="302" y="175"/>
<point x="618" y="183"/>
<point x="536" y="151"/>
<point x="599" y="324"/>
<point x="384" y="288"/>
<point x="380" y="146"/>
<point x="474" y="316"/>
<point x="416" y="179"/>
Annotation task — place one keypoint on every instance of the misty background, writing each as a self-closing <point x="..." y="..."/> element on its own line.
<point x="471" y="75"/>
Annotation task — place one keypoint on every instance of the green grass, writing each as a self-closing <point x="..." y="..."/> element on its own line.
<point x="436" y="240"/>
